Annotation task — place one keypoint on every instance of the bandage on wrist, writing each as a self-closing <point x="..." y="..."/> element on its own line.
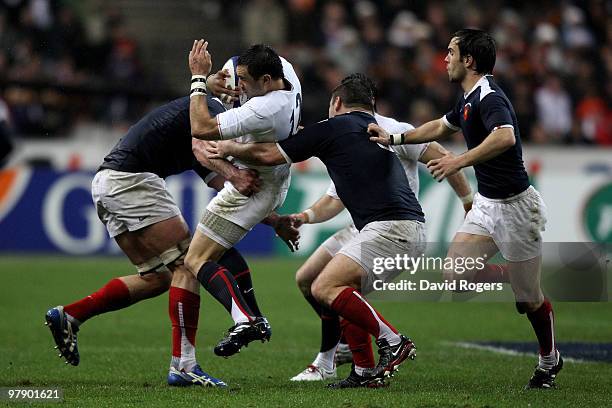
<point x="198" y="85"/>
<point x="397" y="139"/>
<point x="310" y="216"/>
<point x="467" y="199"/>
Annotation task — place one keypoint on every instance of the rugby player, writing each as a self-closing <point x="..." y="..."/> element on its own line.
<point x="131" y="199"/>
<point x="271" y="113"/>
<point x="508" y="213"/>
<point x="327" y="207"/>
<point x="371" y="182"/>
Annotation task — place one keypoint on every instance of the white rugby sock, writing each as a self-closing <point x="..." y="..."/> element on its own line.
<point x="359" y="370"/>
<point x="549" y="361"/>
<point x="175" y="362"/>
<point x="188" y="358"/>
<point x="325" y="360"/>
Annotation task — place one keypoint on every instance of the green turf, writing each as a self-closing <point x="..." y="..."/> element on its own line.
<point x="125" y="355"/>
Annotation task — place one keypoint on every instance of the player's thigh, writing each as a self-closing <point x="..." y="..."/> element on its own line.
<point x="151" y="241"/>
<point x="322" y="255"/>
<point x="201" y="250"/>
<point x="380" y="241"/>
<point x="525" y="281"/>
<point x="131" y="201"/>
<point x="339" y="273"/>
<point x="469" y="246"/>
<point x="313" y="266"/>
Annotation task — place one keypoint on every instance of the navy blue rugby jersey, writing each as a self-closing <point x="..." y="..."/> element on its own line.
<point x="160" y="142"/>
<point x="369" y="178"/>
<point x="482" y="110"/>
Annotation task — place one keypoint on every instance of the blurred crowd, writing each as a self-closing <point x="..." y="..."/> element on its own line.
<point x="554" y="58"/>
<point x="55" y="54"/>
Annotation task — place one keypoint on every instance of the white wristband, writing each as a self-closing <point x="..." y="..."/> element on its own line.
<point x="467" y="199"/>
<point x="310" y="215"/>
<point x="198" y="82"/>
<point x="397" y="139"/>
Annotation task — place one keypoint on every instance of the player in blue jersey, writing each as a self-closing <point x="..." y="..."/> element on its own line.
<point x="131" y="199"/>
<point x="508" y="213"/>
<point x="371" y="183"/>
<point x="358" y="349"/>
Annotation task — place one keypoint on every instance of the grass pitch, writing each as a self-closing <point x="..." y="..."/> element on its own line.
<point x="125" y="354"/>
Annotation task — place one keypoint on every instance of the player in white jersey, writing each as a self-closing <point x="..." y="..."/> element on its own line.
<point x="327" y="207"/>
<point x="271" y="113"/>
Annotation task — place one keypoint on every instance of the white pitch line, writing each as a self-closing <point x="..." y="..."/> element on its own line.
<point x="506" y="351"/>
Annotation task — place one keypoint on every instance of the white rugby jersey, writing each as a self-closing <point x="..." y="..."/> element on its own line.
<point x="268" y="118"/>
<point x="409" y="154"/>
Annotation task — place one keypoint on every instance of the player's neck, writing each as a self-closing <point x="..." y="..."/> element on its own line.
<point x="344" y="110"/>
<point x="469" y="81"/>
<point x="277" y="85"/>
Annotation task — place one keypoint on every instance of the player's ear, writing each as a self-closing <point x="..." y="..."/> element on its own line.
<point x="337" y="103"/>
<point x="266" y="79"/>
<point x="469" y="61"/>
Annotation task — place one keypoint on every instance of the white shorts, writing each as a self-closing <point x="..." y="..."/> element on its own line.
<point x="247" y="212"/>
<point x="384" y="239"/>
<point x="334" y="243"/>
<point x="514" y="223"/>
<point x="131" y="201"/>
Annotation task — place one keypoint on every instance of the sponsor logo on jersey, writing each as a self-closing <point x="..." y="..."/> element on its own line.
<point x="466" y="111"/>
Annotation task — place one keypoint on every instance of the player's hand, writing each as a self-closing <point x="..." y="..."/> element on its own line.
<point x="246" y="181"/>
<point x="444" y="166"/>
<point x="217" y="86"/>
<point x="218" y="149"/>
<point x="200" y="61"/>
<point x="286" y="230"/>
<point x="379" y="135"/>
<point x="298" y="219"/>
<point x="198" y="147"/>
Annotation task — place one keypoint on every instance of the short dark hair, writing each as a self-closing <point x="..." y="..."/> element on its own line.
<point x="480" y="45"/>
<point x="261" y="59"/>
<point x="356" y="90"/>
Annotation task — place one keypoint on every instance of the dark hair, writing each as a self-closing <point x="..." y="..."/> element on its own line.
<point x="260" y="60"/>
<point x="356" y="90"/>
<point x="480" y="45"/>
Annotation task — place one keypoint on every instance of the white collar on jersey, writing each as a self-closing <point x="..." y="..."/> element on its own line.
<point x="480" y="82"/>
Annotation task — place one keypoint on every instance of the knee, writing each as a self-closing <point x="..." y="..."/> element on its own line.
<point x="158" y="282"/>
<point x="528" y="307"/>
<point x="192" y="264"/>
<point x="303" y="283"/>
<point x="320" y="291"/>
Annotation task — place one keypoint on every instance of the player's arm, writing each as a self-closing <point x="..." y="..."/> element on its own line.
<point x="246" y="181"/>
<point x="260" y="154"/>
<point x="496" y="143"/>
<point x="306" y="143"/>
<point x="216" y="182"/>
<point x="203" y="125"/>
<point x="325" y="208"/>
<point x="430" y="131"/>
<point x="457" y="181"/>
<point x="497" y="119"/>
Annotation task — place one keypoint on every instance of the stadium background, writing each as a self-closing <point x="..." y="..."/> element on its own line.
<point x="74" y="75"/>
